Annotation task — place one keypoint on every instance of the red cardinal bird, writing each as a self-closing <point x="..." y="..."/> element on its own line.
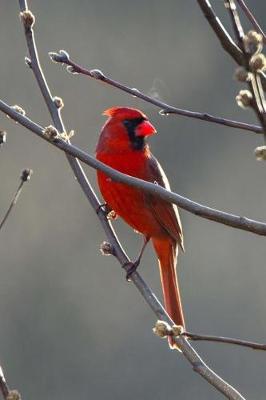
<point x="122" y="145"/>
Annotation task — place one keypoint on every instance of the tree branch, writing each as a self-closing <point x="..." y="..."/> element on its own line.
<point x="249" y="51"/>
<point x="225" y="39"/>
<point x="251" y="18"/>
<point x="25" y="177"/>
<point x="235" y="221"/>
<point x="227" y="340"/>
<point x="73" y="67"/>
<point x="3" y="385"/>
<point x="4" y="389"/>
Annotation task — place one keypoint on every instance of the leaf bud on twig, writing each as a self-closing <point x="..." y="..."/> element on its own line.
<point x="162" y="329"/>
<point x="28" y="62"/>
<point x="19" y="109"/>
<point x="61" y="57"/>
<point x="97" y="73"/>
<point x="13" y="395"/>
<point x="260" y="153"/>
<point x="51" y="133"/>
<point x="242" y="75"/>
<point x="71" y="69"/>
<point x="28" y="18"/>
<point x="177" y="330"/>
<point x="253" y="42"/>
<point x="26" y="174"/>
<point x="244" y="98"/>
<point x="106" y="249"/>
<point x="258" y="62"/>
<point x="58" y="101"/>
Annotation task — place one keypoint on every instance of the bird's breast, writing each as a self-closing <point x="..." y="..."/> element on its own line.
<point x="128" y="202"/>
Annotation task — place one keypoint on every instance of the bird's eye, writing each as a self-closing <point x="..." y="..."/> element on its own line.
<point x="126" y="122"/>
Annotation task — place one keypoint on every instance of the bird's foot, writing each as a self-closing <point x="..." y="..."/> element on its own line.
<point x="131" y="267"/>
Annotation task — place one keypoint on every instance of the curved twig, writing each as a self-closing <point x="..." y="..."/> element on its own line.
<point x="63" y="57"/>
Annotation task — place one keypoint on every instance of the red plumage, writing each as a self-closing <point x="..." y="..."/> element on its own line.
<point x="122" y="146"/>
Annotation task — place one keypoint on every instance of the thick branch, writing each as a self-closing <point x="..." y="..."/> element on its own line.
<point x="62" y="57"/>
<point x="212" y="214"/>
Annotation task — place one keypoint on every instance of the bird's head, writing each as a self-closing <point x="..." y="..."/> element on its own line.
<point x="126" y="128"/>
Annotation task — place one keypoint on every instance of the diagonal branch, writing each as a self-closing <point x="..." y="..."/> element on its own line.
<point x="73" y="67"/>
<point x="235" y="221"/>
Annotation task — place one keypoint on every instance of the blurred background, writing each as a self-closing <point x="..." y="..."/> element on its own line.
<point x="70" y="323"/>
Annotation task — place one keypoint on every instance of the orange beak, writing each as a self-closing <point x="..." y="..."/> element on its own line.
<point x="145" y="128"/>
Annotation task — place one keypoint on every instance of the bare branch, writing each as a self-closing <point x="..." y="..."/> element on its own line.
<point x="25" y="177"/>
<point x="226" y="41"/>
<point x="74" y="68"/>
<point x="227" y="340"/>
<point x="3" y="385"/>
<point x="212" y="214"/>
<point x="252" y="18"/>
<point x="4" y="389"/>
<point x="237" y="26"/>
<point x="250" y="51"/>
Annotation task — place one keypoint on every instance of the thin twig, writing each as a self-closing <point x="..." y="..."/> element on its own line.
<point x="252" y="18"/>
<point x="237" y="26"/>
<point x="25" y="177"/>
<point x="226" y="41"/>
<point x="255" y="85"/>
<point x="222" y="339"/>
<point x="3" y="384"/>
<point x="198" y="365"/>
<point x="198" y="209"/>
<point x="62" y="57"/>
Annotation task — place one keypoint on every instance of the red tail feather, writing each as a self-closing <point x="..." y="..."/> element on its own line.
<point x="167" y="255"/>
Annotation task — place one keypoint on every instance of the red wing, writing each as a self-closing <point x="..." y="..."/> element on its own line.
<point x="165" y="213"/>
